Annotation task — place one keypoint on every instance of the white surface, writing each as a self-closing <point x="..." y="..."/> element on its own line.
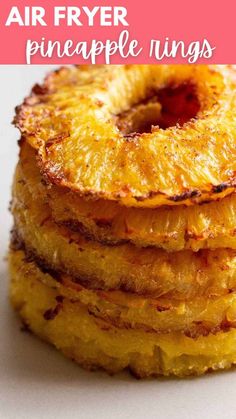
<point x="35" y="380"/>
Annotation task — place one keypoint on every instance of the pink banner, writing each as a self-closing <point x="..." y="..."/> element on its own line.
<point x="128" y="31"/>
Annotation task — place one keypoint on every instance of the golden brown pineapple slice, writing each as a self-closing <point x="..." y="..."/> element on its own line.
<point x="60" y="318"/>
<point x="145" y="271"/>
<point x="176" y="228"/>
<point x="72" y="122"/>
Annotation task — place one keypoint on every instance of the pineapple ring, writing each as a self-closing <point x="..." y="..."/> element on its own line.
<point x="71" y="120"/>
<point x="148" y="271"/>
<point x="199" y="316"/>
<point x="206" y="226"/>
<point x="93" y="342"/>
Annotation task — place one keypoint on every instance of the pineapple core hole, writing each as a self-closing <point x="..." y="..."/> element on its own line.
<point x="167" y="107"/>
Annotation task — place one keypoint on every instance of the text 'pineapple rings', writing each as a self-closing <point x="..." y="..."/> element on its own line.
<point x="141" y="135"/>
<point x="171" y="228"/>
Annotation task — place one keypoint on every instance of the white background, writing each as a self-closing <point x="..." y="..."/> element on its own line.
<point x="36" y="382"/>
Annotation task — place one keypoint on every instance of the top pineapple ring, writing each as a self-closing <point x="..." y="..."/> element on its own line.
<point x="71" y="120"/>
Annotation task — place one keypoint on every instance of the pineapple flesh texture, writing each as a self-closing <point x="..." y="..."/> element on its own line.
<point x="72" y="123"/>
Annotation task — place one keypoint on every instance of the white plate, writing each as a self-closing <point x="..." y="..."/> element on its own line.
<point x="36" y="382"/>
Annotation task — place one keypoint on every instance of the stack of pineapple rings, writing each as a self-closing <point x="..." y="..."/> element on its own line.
<point x="123" y="251"/>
